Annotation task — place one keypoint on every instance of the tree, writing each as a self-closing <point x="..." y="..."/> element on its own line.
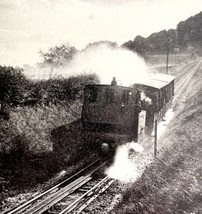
<point x="99" y="43"/>
<point x="58" y="56"/>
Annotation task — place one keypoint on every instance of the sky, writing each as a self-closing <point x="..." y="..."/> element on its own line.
<point x="28" y="26"/>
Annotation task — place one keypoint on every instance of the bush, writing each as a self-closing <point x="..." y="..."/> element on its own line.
<point x="17" y="90"/>
<point x="12" y="86"/>
<point x="59" y="90"/>
<point x="42" y="107"/>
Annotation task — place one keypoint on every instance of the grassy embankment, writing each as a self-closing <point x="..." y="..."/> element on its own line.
<point x="36" y="142"/>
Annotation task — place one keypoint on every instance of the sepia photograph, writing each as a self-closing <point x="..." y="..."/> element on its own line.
<point x="101" y="106"/>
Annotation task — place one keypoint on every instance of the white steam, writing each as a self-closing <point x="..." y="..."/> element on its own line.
<point x="145" y="98"/>
<point x="123" y="169"/>
<point x="135" y="146"/>
<point x="106" y="61"/>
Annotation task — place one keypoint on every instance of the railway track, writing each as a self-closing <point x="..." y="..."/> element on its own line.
<point x="78" y="190"/>
<point x="180" y="87"/>
<point x="83" y="196"/>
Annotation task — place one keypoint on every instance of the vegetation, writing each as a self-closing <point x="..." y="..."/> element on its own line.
<point x="96" y="44"/>
<point x="190" y="32"/>
<point x="57" y="56"/>
<point x="187" y="36"/>
<point x="16" y="90"/>
<point x="12" y="86"/>
<point x="35" y="139"/>
<point x="59" y="90"/>
<point x="157" y="43"/>
<point x="31" y="110"/>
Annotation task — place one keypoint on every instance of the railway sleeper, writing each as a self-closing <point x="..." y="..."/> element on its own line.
<point x="84" y="189"/>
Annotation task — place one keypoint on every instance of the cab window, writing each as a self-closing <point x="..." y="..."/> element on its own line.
<point x="125" y="96"/>
<point x="109" y="95"/>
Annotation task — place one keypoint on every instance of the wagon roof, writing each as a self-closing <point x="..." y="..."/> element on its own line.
<point x="152" y="83"/>
<point x="157" y="81"/>
<point x="162" y="77"/>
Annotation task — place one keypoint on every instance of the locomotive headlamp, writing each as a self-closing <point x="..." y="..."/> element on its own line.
<point x="105" y="147"/>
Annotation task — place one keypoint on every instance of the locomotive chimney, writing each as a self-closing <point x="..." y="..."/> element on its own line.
<point x="113" y="82"/>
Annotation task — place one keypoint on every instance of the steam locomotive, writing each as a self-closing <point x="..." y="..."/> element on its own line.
<point x="114" y="114"/>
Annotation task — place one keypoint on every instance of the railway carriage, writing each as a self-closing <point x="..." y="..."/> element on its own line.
<point x="114" y="114"/>
<point x="160" y="89"/>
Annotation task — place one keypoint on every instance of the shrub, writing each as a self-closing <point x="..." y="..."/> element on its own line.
<point x="60" y="89"/>
<point x="44" y="106"/>
<point x="12" y="86"/>
<point x="17" y="90"/>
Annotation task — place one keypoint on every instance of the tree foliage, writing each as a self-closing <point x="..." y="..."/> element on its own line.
<point x="100" y="43"/>
<point x="59" y="90"/>
<point x="16" y="89"/>
<point x="156" y="43"/>
<point x="57" y="56"/>
<point x="188" y="34"/>
<point x="12" y="85"/>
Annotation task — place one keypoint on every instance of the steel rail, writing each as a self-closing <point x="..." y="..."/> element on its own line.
<point x="184" y="83"/>
<point x="94" y="197"/>
<point x="46" y="204"/>
<point x="56" y="197"/>
<point x="72" y="205"/>
<point x="26" y="204"/>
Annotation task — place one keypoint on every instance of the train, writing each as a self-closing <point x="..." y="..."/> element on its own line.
<point x="114" y="114"/>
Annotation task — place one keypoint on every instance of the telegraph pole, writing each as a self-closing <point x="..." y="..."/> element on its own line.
<point x="167" y="58"/>
<point x="155" y="138"/>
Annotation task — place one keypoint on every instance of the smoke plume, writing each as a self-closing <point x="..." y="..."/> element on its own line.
<point x="106" y="61"/>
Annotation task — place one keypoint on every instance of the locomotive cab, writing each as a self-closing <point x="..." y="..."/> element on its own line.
<point x="110" y="115"/>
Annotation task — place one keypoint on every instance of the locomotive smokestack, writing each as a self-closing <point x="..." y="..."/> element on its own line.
<point x="113" y="82"/>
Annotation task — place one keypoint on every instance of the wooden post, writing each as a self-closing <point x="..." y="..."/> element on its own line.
<point x="155" y="139"/>
<point x="167" y="58"/>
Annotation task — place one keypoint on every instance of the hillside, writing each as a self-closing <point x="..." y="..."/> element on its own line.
<point x="187" y="36"/>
